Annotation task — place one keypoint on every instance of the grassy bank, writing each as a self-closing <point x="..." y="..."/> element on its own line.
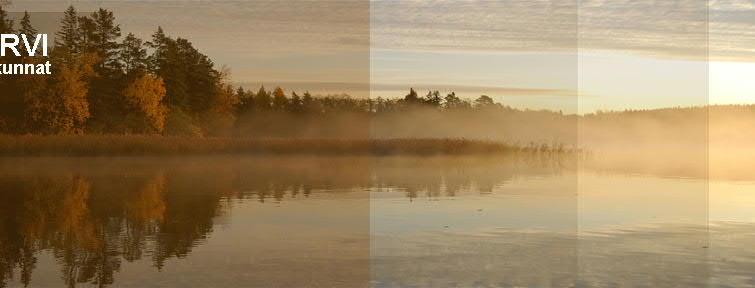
<point x="133" y="145"/>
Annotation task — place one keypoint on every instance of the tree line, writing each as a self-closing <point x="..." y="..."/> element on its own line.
<point x="104" y="82"/>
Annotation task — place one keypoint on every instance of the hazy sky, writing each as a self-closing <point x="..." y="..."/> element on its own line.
<point x="537" y="54"/>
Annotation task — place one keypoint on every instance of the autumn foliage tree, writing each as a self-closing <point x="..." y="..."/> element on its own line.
<point x="146" y="111"/>
<point x="63" y="108"/>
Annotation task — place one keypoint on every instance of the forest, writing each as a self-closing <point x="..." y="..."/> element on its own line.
<point x="106" y="83"/>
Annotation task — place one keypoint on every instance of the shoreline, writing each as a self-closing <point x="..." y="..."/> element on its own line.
<point x="155" y="145"/>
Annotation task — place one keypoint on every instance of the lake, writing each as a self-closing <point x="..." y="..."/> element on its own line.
<point x="301" y="221"/>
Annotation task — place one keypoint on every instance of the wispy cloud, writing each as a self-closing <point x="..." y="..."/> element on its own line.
<point x="689" y="29"/>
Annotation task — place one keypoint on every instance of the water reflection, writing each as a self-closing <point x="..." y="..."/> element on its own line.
<point x="360" y="221"/>
<point x="91" y="223"/>
<point x="92" y="215"/>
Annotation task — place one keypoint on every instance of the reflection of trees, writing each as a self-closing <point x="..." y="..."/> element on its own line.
<point x="91" y="219"/>
<point x="274" y="179"/>
<point x="451" y="176"/>
<point x="90" y="224"/>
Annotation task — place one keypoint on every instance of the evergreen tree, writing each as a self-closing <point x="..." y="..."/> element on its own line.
<point x="246" y="100"/>
<point x="133" y="55"/>
<point x="308" y="102"/>
<point x="164" y="62"/>
<point x="202" y="79"/>
<point x="26" y="27"/>
<point x="190" y="78"/>
<point x="297" y="104"/>
<point x="104" y="38"/>
<point x="69" y="36"/>
<point x="107" y="104"/>
<point x="86" y="31"/>
<point x="262" y="100"/>
<point x="159" y="44"/>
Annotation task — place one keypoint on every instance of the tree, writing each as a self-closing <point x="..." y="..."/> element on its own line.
<point x="9" y="99"/>
<point x="133" y="55"/>
<point x="246" y="100"/>
<point x="412" y="97"/>
<point x="484" y="101"/>
<point x="452" y="101"/>
<point x="165" y="62"/>
<point x="308" y="103"/>
<point x="433" y="98"/>
<point x="26" y="27"/>
<point x="144" y="96"/>
<point x="100" y="37"/>
<point x="69" y="37"/>
<point x="104" y="38"/>
<point x="280" y="102"/>
<point x="190" y="77"/>
<point x="262" y="100"/>
<point x="6" y="25"/>
<point x="86" y="32"/>
<point x="202" y="79"/>
<point x="220" y="119"/>
<point x="159" y="44"/>
<point x="64" y="108"/>
<point x="297" y="104"/>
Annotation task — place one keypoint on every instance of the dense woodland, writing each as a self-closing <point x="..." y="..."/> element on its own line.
<point x="104" y="82"/>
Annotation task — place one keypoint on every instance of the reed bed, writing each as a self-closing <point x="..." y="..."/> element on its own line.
<point x="142" y="145"/>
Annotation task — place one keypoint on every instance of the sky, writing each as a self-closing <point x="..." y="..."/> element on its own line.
<point x="560" y="55"/>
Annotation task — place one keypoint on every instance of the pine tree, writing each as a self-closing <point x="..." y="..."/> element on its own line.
<point x="69" y="37"/>
<point x="246" y="99"/>
<point x="262" y="100"/>
<point x="87" y="29"/>
<point x="159" y="44"/>
<point x="296" y="105"/>
<point x="133" y="55"/>
<point x="202" y="79"/>
<point x="308" y="102"/>
<point x="165" y="61"/>
<point x="26" y="27"/>
<point x="105" y="37"/>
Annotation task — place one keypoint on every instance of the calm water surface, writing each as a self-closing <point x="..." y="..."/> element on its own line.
<point x="359" y="222"/>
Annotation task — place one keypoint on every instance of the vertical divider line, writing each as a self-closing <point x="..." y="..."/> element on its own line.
<point x="577" y="141"/>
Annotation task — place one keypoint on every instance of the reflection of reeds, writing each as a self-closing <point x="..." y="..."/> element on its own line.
<point x="111" y="145"/>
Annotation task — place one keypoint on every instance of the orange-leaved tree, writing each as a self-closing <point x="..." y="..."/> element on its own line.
<point x="144" y="96"/>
